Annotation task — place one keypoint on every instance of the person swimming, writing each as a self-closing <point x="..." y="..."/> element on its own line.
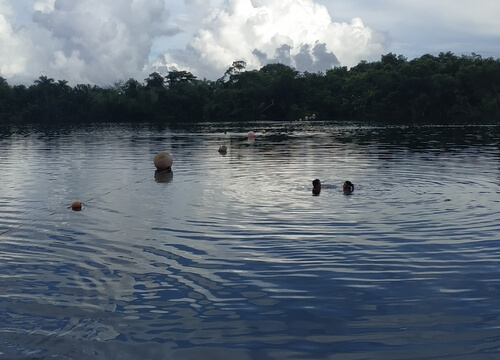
<point x="316" y="187"/>
<point x="223" y="149"/>
<point x="348" y="187"/>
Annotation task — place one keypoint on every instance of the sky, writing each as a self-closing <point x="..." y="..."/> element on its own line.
<point x="103" y="42"/>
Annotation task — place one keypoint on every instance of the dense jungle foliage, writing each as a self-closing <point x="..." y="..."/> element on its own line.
<point x="443" y="88"/>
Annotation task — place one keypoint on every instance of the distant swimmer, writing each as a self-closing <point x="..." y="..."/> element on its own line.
<point x="316" y="187"/>
<point x="348" y="187"/>
<point x="223" y="149"/>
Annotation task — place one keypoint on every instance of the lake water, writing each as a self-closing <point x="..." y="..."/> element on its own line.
<point x="231" y="257"/>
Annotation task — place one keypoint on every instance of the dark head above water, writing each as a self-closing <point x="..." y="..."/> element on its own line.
<point x="223" y="149"/>
<point x="316" y="187"/>
<point x="348" y="187"/>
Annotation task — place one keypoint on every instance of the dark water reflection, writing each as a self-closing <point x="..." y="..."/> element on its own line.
<point x="230" y="257"/>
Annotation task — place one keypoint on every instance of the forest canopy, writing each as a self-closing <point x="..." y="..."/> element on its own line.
<point x="441" y="88"/>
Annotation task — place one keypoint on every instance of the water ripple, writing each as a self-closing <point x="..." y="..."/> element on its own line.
<point x="234" y="258"/>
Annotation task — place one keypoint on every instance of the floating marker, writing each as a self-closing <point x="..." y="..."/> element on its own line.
<point x="76" y="206"/>
<point x="163" y="161"/>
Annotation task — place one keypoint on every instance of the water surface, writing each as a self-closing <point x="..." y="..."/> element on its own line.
<point x="231" y="257"/>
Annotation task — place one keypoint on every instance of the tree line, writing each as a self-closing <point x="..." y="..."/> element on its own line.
<point x="445" y="87"/>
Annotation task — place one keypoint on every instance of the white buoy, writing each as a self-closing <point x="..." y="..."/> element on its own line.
<point x="163" y="161"/>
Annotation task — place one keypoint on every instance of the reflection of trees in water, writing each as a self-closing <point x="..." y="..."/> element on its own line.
<point x="422" y="137"/>
<point x="328" y="142"/>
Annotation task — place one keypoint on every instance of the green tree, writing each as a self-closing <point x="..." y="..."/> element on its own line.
<point x="283" y="87"/>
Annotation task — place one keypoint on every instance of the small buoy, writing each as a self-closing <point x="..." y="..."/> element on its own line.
<point x="223" y="149"/>
<point x="76" y="206"/>
<point x="163" y="161"/>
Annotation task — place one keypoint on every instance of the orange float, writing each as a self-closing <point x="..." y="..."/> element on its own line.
<point x="76" y="206"/>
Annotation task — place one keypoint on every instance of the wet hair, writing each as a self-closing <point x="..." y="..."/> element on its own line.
<point x="348" y="186"/>
<point x="316" y="187"/>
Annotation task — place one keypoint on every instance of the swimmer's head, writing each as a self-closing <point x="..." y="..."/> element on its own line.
<point x="348" y="187"/>
<point x="316" y="187"/>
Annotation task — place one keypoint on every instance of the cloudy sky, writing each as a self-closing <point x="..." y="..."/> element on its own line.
<point x="105" y="41"/>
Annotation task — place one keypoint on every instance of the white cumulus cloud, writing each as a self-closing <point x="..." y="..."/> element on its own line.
<point x="298" y="33"/>
<point x="104" y="41"/>
<point x="95" y="41"/>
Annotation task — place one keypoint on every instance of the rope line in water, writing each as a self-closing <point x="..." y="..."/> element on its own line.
<point x="18" y="226"/>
